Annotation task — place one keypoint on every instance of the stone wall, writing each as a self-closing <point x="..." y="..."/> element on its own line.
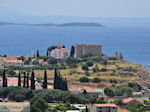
<point x="83" y="49"/>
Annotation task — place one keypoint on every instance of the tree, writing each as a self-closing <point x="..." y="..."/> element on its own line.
<point x="47" y="53"/>
<point x="24" y="80"/>
<point x="84" y="79"/>
<point x="86" y="110"/>
<point x="27" y="80"/>
<point x="55" y="79"/>
<point x="19" y="79"/>
<point x="37" y="54"/>
<point x="38" y="104"/>
<point x="19" y="97"/>
<point x="59" y="81"/>
<point x="135" y="86"/>
<point x="109" y="92"/>
<point x="85" y="67"/>
<point x="72" y="51"/>
<point x="4" y="78"/>
<point x="32" y="80"/>
<point x="45" y="80"/>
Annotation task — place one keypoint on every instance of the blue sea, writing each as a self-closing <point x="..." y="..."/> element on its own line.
<point x="133" y="40"/>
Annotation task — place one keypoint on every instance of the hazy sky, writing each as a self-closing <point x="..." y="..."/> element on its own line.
<point x="88" y="8"/>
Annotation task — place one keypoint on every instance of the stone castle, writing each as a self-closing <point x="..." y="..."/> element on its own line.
<point x="84" y="49"/>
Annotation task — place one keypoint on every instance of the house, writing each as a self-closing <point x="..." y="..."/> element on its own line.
<point x="60" y="53"/>
<point x="87" y="89"/>
<point x="12" y="62"/>
<point x="130" y="101"/>
<point x="104" y="108"/>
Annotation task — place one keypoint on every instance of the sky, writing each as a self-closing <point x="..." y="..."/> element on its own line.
<point x="83" y="8"/>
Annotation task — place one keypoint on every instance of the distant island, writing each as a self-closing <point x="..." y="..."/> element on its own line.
<point x="73" y="24"/>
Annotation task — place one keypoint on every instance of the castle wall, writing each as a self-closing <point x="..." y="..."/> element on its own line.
<point x="83" y="49"/>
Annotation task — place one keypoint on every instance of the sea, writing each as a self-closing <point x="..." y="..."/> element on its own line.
<point x="132" y="40"/>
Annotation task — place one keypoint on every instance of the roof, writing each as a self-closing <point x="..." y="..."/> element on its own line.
<point x="60" y="50"/>
<point x="12" y="61"/>
<point x="127" y="100"/>
<point x="73" y="90"/>
<point x="88" y="89"/>
<point x="106" y="105"/>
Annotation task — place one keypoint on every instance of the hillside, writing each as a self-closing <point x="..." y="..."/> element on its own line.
<point x="117" y="72"/>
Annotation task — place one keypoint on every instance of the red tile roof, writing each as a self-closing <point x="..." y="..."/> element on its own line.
<point x="88" y="89"/>
<point x="12" y="61"/>
<point x="127" y="100"/>
<point x="106" y="105"/>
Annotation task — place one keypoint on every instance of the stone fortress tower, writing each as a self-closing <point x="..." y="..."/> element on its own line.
<point x="84" y="49"/>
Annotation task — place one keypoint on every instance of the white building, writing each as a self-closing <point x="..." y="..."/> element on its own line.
<point x="61" y="53"/>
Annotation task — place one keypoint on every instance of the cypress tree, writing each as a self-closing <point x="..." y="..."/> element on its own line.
<point x="37" y="54"/>
<point x="72" y="51"/>
<point x="24" y="80"/>
<point x="47" y="53"/>
<point x="45" y="80"/>
<point x="27" y="80"/>
<point x="86" y="110"/>
<point x="59" y="82"/>
<point x="19" y="79"/>
<point x="55" y="79"/>
<point x="4" y="78"/>
<point x="6" y="84"/>
<point x="65" y="85"/>
<point x="32" y="80"/>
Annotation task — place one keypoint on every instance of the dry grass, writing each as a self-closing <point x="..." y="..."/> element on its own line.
<point x="73" y="75"/>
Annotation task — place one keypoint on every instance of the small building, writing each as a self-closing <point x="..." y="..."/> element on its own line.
<point x="131" y="101"/>
<point x="104" y="108"/>
<point x="12" y="62"/>
<point x="60" y="53"/>
<point x="87" y="89"/>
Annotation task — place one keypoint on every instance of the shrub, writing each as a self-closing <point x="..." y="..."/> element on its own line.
<point x="84" y="79"/>
<point x="52" y="60"/>
<point x="104" y="62"/>
<point x="113" y="81"/>
<point x="135" y="86"/>
<point x="89" y="63"/>
<point x="109" y="92"/>
<point x="95" y="69"/>
<point x="96" y="80"/>
<point x="71" y="60"/>
<point x="85" y="67"/>
<point x="19" y="98"/>
<point x="38" y="104"/>
<point x="11" y="92"/>
<point x="123" y="91"/>
<point x="104" y="69"/>
<point x="100" y="100"/>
